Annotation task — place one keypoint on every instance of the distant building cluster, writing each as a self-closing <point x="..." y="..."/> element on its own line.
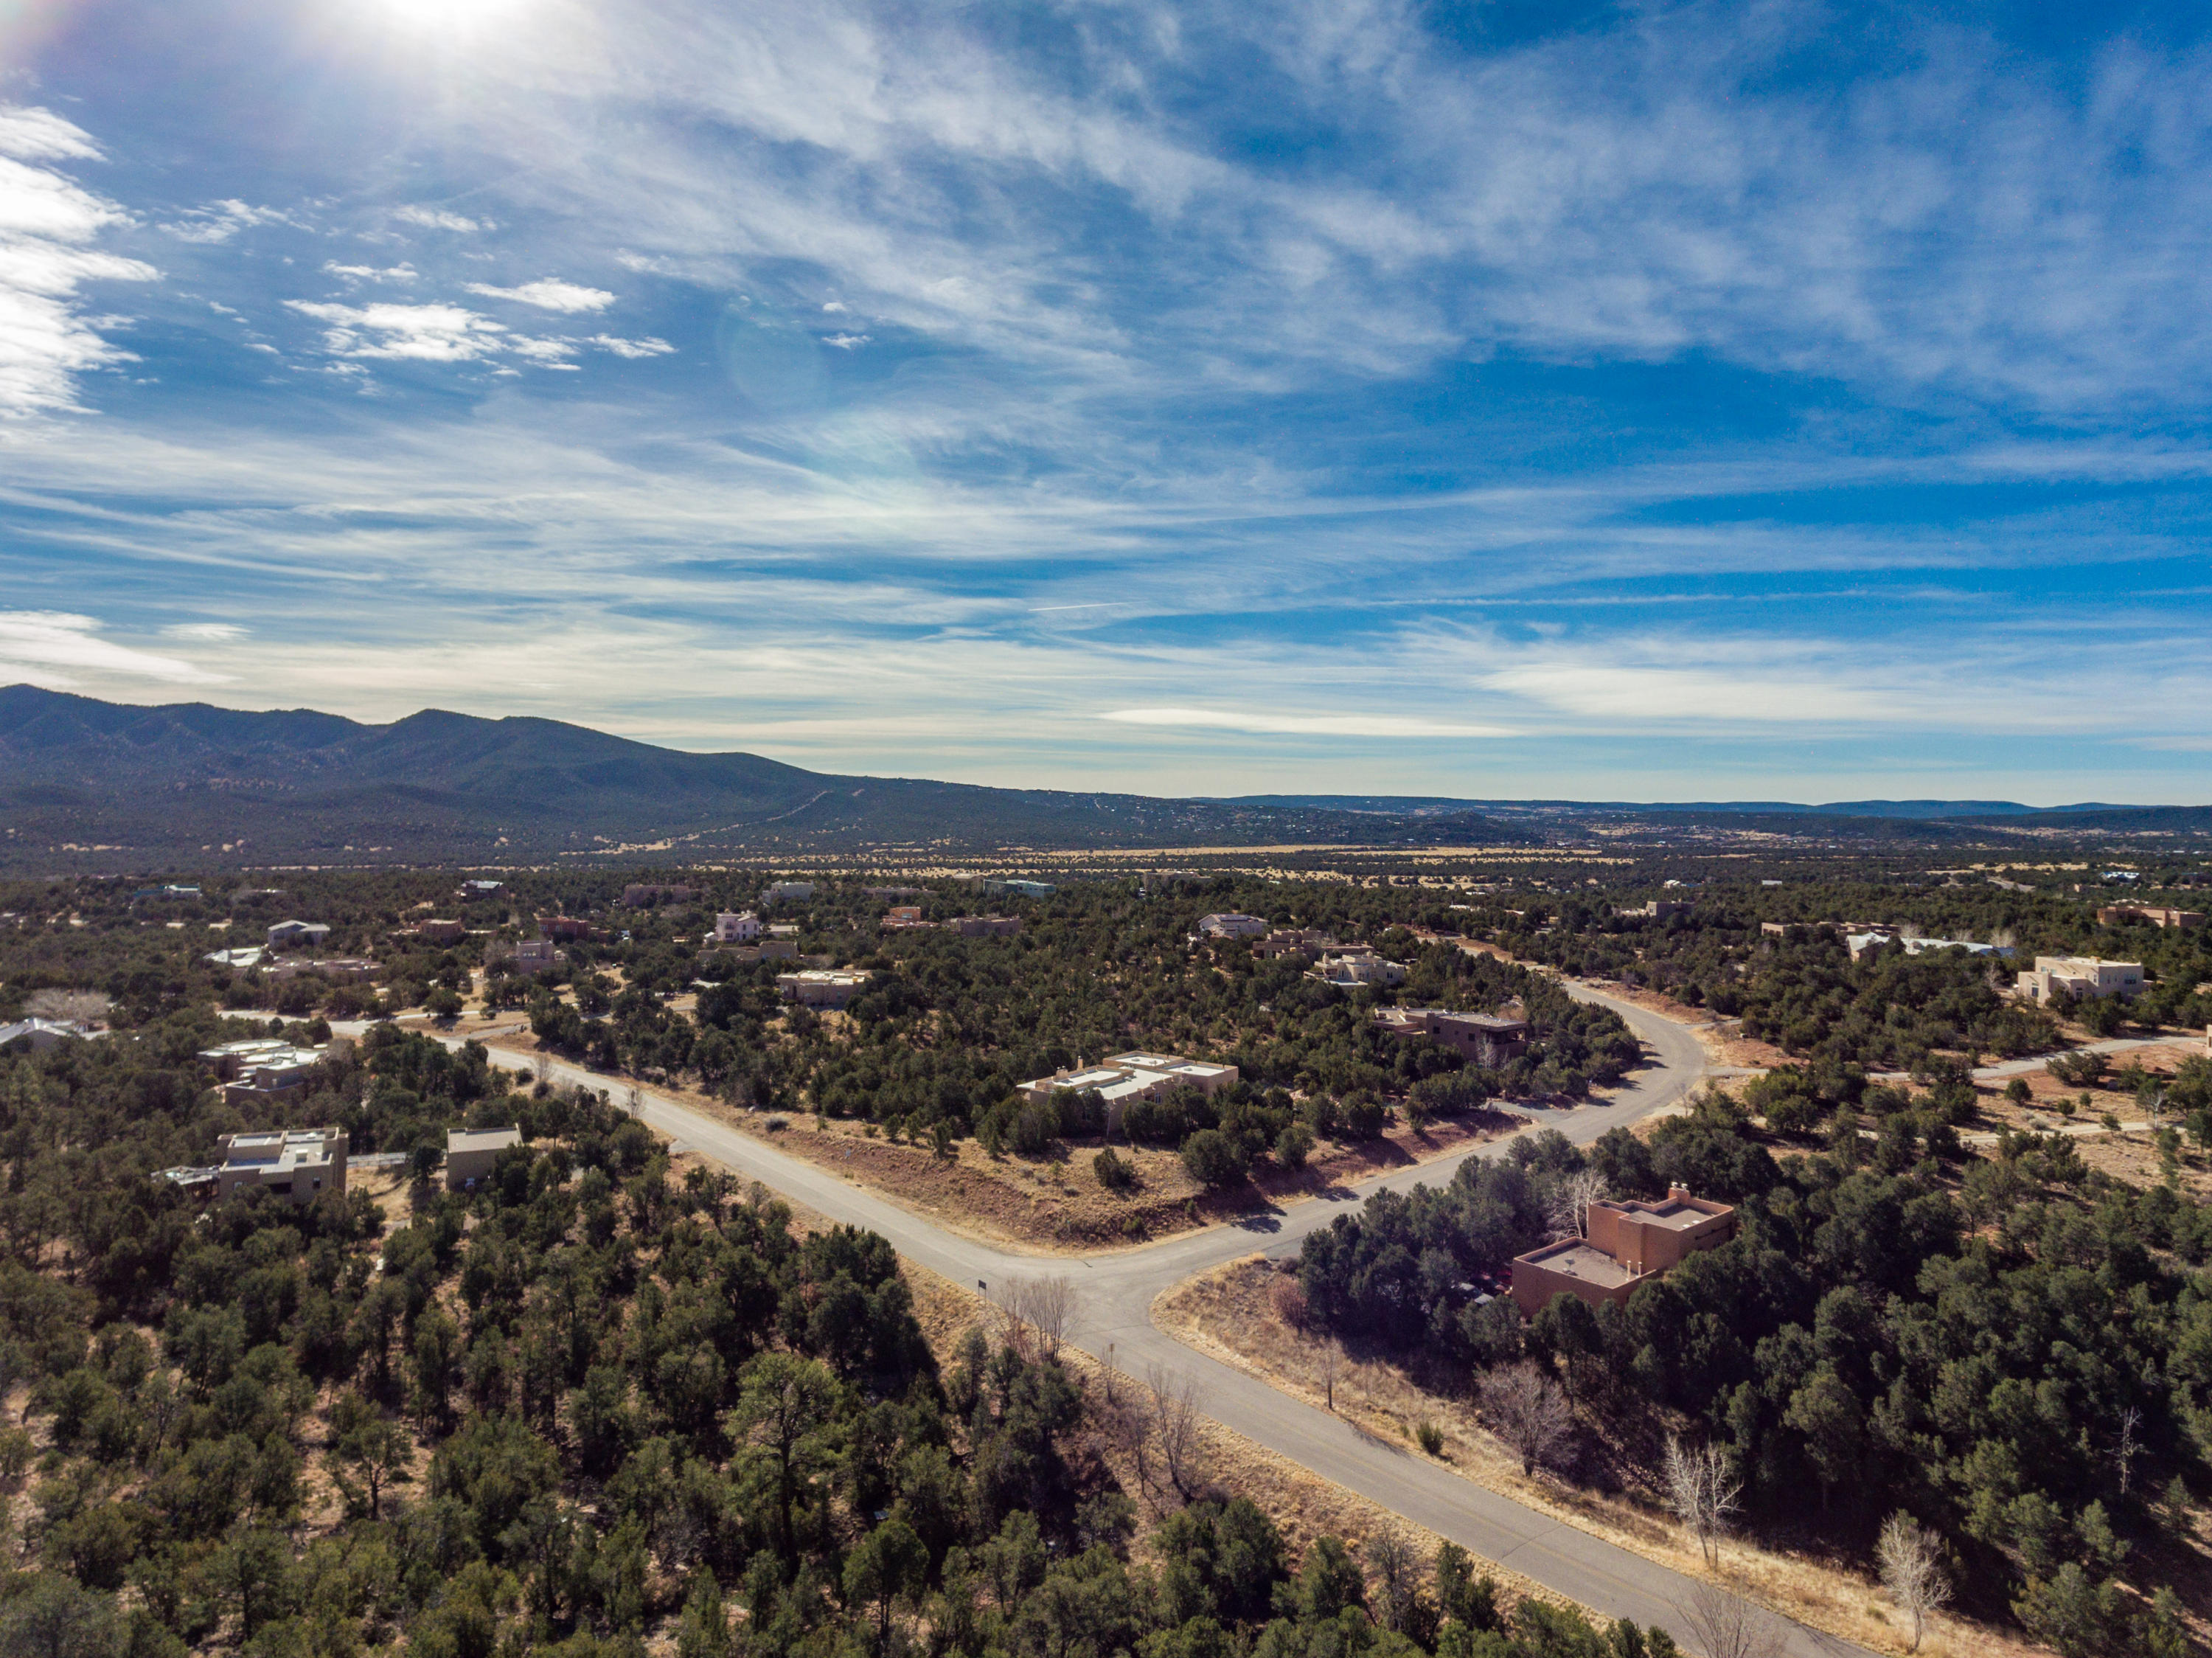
<point x="1135" y="1076"/>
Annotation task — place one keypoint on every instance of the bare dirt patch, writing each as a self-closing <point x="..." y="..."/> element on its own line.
<point x="1228" y="1313"/>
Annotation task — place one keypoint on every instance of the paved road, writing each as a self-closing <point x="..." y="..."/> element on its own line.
<point x="1118" y="1289"/>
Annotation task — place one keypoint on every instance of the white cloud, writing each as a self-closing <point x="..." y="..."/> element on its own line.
<point x="436" y="218"/>
<point x="218" y="221"/>
<point x="39" y="135"/>
<point x="209" y="632"/>
<point x="428" y="334"/>
<point x="1304" y="725"/>
<point x="46" y="219"/>
<point x="648" y="346"/>
<point x="356" y="274"/>
<point x="845" y="342"/>
<point x="549" y="294"/>
<point x="52" y="647"/>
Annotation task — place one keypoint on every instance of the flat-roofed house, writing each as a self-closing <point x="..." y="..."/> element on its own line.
<point x="1630" y="1240"/>
<point x="986" y="926"/>
<point x="904" y="917"/>
<point x="2114" y="915"/>
<point x="2080" y="977"/>
<point x="436" y="931"/>
<point x="471" y="1154"/>
<point x="1232" y="923"/>
<point x="1134" y="1075"/>
<point x="820" y="987"/>
<point x="297" y="1164"/>
<point x="1480" y="1038"/>
<point x="1349" y="969"/>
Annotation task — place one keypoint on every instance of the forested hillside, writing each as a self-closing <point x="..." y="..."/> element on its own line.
<point x="586" y="1409"/>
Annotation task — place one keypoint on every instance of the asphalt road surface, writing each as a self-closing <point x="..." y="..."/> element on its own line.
<point x="1117" y="1289"/>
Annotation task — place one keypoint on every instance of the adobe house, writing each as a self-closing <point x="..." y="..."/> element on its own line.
<point x="1629" y="1240"/>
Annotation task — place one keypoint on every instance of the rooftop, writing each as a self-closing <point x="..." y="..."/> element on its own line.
<point x="1576" y="1259"/>
<point x="486" y="1139"/>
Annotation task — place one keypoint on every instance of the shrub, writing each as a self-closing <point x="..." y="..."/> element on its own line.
<point x="777" y="1125"/>
<point x="1211" y="1157"/>
<point x="1035" y="1124"/>
<point x="1364" y="1116"/>
<point x="1288" y="1298"/>
<point x="1294" y="1145"/>
<point x="2077" y="1070"/>
<point x="1430" y="1437"/>
<point x="1114" y="1173"/>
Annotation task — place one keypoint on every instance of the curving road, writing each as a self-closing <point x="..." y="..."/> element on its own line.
<point x="1118" y="1289"/>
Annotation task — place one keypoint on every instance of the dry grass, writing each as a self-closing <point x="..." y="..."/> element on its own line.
<point x="1227" y="1313"/>
<point x="1053" y="1204"/>
<point x="1302" y="1505"/>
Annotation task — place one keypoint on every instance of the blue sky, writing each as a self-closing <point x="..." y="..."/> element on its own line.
<point x="1506" y="400"/>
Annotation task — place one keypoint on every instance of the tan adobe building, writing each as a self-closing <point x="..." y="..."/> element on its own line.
<point x="2080" y="977"/>
<point x="903" y="919"/>
<point x="297" y="1164"/>
<point x="538" y="955"/>
<point x="2113" y="915"/>
<point x="470" y="1157"/>
<point x="565" y="927"/>
<point x="1629" y="1241"/>
<point x="440" y="932"/>
<point x="986" y="926"/>
<point x="1307" y="942"/>
<point x="1480" y="1038"/>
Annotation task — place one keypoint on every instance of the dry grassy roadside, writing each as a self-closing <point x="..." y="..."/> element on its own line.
<point x="1227" y="1313"/>
<point x="1302" y="1504"/>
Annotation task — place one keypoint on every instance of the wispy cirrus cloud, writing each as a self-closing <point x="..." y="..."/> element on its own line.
<point x="48" y="222"/>
<point x="59" y="649"/>
<point x="549" y="294"/>
<point x="218" y="221"/>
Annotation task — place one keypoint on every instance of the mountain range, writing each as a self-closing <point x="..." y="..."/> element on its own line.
<point x="192" y="782"/>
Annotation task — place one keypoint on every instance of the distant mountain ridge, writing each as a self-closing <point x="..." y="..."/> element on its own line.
<point x="190" y="782"/>
<point x="300" y="785"/>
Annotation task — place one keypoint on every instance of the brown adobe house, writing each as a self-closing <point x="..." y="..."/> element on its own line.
<point x="1629" y="1240"/>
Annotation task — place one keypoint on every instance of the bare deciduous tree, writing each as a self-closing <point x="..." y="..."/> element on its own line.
<point x="1911" y="1560"/>
<point x="1175" y="1424"/>
<point x="1702" y="1492"/>
<point x="634" y="1100"/>
<point x="1398" y="1567"/>
<point x="1568" y="1213"/>
<point x="1526" y="1410"/>
<point x="2129" y="1447"/>
<point x="86" y="1007"/>
<point x="1723" y="1624"/>
<point x="1331" y="1359"/>
<point x="1048" y="1309"/>
<point x="541" y="1068"/>
<point x="1288" y="1297"/>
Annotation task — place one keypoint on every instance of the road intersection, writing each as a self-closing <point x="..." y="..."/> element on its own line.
<point x="1117" y="1288"/>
